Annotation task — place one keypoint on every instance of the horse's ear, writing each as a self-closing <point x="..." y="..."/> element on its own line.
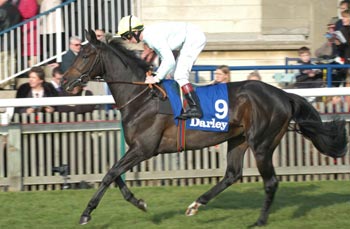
<point x="87" y="35"/>
<point x="91" y="36"/>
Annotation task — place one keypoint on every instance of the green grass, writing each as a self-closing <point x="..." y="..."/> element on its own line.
<point x="323" y="204"/>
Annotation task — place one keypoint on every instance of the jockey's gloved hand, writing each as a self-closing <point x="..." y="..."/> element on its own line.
<point x="152" y="79"/>
<point x="150" y="72"/>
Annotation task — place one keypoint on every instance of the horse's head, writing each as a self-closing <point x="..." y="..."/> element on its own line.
<point x="87" y="64"/>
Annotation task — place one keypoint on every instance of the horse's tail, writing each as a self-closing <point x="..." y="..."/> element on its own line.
<point x="328" y="137"/>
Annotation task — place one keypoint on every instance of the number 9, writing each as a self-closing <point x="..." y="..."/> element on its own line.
<point x="221" y="109"/>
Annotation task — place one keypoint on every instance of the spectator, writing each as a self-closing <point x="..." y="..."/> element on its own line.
<point x="329" y="48"/>
<point x="69" y="57"/>
<point x="50" y="25"/>
<point x="307" y="78"/>
<point x="222" y="74"/>
<point x="102" y="35"/>
<point x="28" y="9"/>
<point x="328" y="53"/>
<point x="78" y="109"/>
<point x="56" y="80"/>
<point x="9" y="16"/>
<point x="36" y="88"/>
<point x="344" y="48"/>
<point x="343" y="5"/>
<point x="254" y="76"/>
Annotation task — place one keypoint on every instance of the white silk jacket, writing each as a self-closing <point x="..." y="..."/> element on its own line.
<point x="165" y="37"/>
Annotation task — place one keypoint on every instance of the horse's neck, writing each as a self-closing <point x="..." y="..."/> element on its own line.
<point x="116" y="70"/>
<point x="120" y="78"/>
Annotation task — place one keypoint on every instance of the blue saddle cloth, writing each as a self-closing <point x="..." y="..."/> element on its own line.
<point x="214" y="103"/>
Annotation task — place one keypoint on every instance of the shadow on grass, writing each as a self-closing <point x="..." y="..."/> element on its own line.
<point x="299" y="197"/>
<point x="158" y="218"/>
<point x="304" y="198"/>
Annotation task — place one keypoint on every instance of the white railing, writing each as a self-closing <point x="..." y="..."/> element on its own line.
<point x="108" y="99"/>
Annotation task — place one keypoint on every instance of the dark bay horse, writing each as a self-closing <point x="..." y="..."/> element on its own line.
<point x="259" y="116"/>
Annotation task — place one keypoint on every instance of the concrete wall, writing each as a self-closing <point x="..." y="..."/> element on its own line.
<point x="212" y="15"/>
<point x="247" y="32"/>
<point x="247" y="20"/>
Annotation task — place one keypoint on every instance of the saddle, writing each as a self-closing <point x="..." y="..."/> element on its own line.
<point x="213" y="100"/>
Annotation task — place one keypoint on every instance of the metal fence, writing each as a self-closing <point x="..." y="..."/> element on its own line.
<point x="35" y="151"/>
<point x="328" y="68"/>
<point x="45" y="37"/>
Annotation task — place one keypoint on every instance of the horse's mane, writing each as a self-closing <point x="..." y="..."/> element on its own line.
<point x="130" y="57"/>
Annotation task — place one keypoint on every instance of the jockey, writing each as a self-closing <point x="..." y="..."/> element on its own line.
<point x="163" y="38"/>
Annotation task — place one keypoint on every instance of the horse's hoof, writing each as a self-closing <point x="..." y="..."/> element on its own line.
<point x="142" y="205"/>
<point x="84" y="219"/>
<point x="193" y="209"/>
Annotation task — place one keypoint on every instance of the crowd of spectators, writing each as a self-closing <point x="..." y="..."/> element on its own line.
<point x="38" y="85"/>
<point x="336" y="48"/>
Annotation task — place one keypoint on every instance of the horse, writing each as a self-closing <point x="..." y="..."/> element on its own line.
<point x="259" y="116"/>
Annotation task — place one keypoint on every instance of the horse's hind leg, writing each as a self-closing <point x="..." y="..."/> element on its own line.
<point x="263" y="152"/>
<point x="267" y="171"/>
<point x="235" y="154"/>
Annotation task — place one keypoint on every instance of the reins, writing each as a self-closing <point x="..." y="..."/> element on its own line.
<point x="150" y="86"/>
<point x="140" y="83"/>
<point x="133" y="99"/>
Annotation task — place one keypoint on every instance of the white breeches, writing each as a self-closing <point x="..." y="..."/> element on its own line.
<point x="193" y="45"/>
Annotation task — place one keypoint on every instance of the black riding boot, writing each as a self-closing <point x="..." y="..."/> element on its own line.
<point x="192" y="99"/>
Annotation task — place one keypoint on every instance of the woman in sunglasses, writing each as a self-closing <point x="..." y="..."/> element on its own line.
<point x="164" y="38"/>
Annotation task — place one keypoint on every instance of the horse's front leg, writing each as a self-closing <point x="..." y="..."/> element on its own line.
<point x="233" y="173"/>
<point x="129" y="196"/>
<point x="130" y="159"/>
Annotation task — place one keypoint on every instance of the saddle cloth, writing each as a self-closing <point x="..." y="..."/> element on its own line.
<point x="214" y="103"/>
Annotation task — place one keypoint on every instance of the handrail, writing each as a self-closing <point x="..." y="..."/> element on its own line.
<point x="329" y="68"/>
<point x="36" y="17"/>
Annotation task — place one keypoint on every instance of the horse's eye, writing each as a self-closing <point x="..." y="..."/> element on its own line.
<point x="85" y="56"/>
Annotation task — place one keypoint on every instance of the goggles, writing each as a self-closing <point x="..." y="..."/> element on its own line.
<point x="127" y="35"/>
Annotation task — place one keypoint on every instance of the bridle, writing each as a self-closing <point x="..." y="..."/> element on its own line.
<point x="84" y="77"/>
